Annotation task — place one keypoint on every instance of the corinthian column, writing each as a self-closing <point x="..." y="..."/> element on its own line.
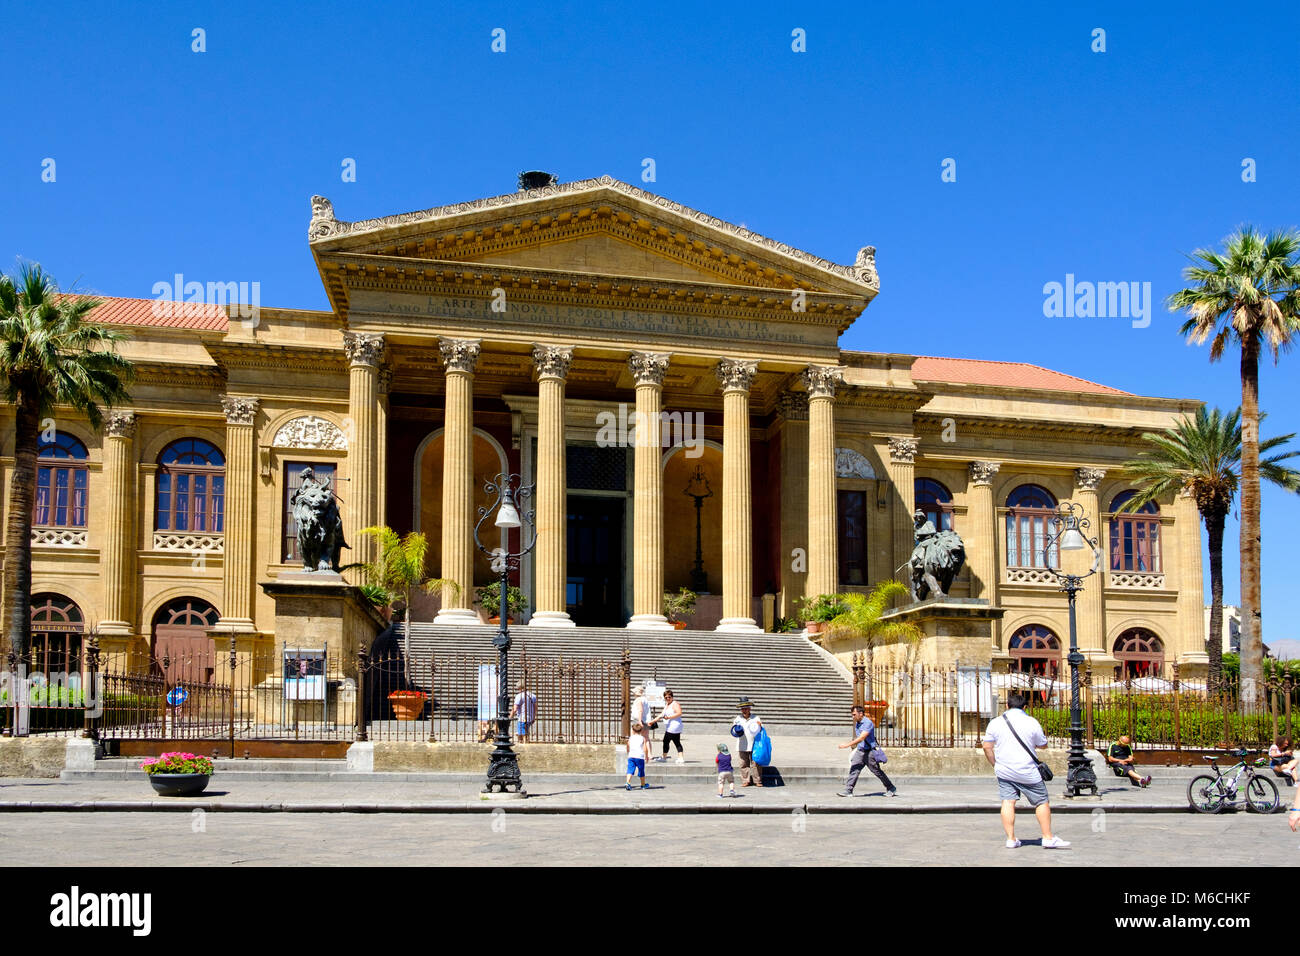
<point x="902" y="472"/>
<point x="1091" y="616"/>
<point x="793" y="407"/>
<point x="120" y="527"/>
<point x="737" y="510"/>
<point x="981" y="537"/>
<point x="240" y="530"/>
<point x="365" y="352"/>
<point x="552" y="363"/>
<point x="648" y="369"/>
<point x="1188" y="580"/>
<point x="459" y="358"/>
<point x="823" y="557"/>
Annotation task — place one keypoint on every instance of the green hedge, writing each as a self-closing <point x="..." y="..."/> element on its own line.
<point x="67" y="712"/>
<point x="1153" y="724"/>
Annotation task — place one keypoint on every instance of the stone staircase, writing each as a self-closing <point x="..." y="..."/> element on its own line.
<point x="795" y="687"/>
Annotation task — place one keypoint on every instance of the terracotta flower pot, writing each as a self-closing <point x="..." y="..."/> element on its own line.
<point x="407" y="707"/>
<point x="679" y="625"/>
<point x="814" y="627"/>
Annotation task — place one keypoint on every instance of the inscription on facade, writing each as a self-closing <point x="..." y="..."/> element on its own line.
<point x="526" y="316"/>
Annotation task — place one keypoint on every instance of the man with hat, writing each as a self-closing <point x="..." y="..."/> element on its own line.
<point x="749" y="726"/>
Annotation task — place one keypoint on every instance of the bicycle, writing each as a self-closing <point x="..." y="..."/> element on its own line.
<point x="1211" y="793"/>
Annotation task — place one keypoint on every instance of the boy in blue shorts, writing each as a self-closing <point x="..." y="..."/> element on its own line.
<point x="636" y="754"/>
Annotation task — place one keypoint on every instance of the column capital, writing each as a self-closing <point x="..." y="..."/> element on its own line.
<point x="364" y="348"/>
<point x="736" y="375"/>
<point x="793" y="406"/>
<point x="983" y="472"/>
<point x="239" y="410"/>
<point x="459" y="355"/>
<point x="903" y="449"/>
<point x="649" y="368"/>
<point x="820" y="380"/>
<point x="552" y="361"/>
<point x="120" y="424"/>
<point x="1087" y="479"/>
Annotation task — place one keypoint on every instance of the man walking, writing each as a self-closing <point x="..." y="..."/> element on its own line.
<point x="864" y="753"/>
<point x="524" y="711"/>
<point x="750" y="772"/>
<point x="1007" y="745"/>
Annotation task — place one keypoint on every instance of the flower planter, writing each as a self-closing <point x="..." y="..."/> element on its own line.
<point x="876" y="710"/>
<point x="679" y="625"/>
<point x="813" y="627"/>
<point x="179" y="784"/>
<point x="407" y="707"/>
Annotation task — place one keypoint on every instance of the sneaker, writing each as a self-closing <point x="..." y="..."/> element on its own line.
<point x="681" y="760"/>
<point x="658" y="759"/>
<point x="1013" y="844"/>
<point x="721" y="795"/>
<point x="734" y="794"/>
<point x="1055" y="843"/>
<point x="629" y="786"/>
<point x="891" y="793"/>
<point x="1146" y="781"/>
<point x="844" y="793"/>
<point x="645" y="786"/>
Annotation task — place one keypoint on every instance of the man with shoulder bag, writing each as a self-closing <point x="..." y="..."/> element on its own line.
<point x="1010" y="744"/>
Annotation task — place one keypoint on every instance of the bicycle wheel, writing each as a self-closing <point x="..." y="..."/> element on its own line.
<point x="1204" y="795"/>
<point x="1261" y="795"/>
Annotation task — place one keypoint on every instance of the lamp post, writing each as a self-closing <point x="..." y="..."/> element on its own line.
<point x="511" y="495"/>
<point x="699" y="580"/>
<point x="1070" y="529"/>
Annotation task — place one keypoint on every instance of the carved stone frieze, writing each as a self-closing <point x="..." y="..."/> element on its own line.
<point x="310" y="431"/>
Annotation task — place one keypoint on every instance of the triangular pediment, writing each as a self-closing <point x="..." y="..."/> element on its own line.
<point x="598" y="227"/>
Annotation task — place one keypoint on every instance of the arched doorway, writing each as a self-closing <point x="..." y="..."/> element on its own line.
<point x="57" y="627"/>
<point x="180" y="639"/>
<point x="1140" y="653"/>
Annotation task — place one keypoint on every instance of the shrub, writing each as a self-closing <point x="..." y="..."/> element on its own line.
<point x="1200" y="726"/>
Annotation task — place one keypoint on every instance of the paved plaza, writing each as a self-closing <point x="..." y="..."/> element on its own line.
<point x="507" y="837"/>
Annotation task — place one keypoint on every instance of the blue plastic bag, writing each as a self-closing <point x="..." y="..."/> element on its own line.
<point x="762" y="748"/>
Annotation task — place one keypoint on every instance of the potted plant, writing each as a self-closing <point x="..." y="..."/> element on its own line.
<point x="488" y="597"/>
<point x="678" y="606"/>
<point x="178" y="774"/>
<point x="818" y="611"/>
<point x="407" y="704"/>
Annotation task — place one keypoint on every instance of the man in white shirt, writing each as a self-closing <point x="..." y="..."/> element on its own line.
<point x="1016" y="767"/>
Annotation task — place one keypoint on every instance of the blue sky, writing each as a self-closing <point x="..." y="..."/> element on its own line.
<point x="1107" y="165"/>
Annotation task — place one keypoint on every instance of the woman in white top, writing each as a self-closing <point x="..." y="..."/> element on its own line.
<point x="672" y="713"/>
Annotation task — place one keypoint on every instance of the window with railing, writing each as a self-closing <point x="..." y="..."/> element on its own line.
<point x="61" y="481"/>
<point x="191" y="487"/>
<point x="1030" y="511"/>
<point x="1135" y="536"/>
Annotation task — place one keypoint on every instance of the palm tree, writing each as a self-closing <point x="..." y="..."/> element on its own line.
<point x="398" y="570"/>
<point x="862" y="619"/>
<point x="1201" y="456"/>
<point x="51" y="355"/>
<point x="1248" y="295"/>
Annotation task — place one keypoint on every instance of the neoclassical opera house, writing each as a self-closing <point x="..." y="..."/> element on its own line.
<point x="526" y="333"/>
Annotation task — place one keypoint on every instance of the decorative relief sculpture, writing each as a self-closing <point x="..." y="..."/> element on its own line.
<point x="736" y="374"/>
<point x="552" y="360"/>
<point x="323" y="224"/>
<point x="309" y="431"/>
<point x="852" y="464"/>
<point x="903" y="449"/>
<point x="648" y="368"/>
<point x="59" y="537"/>
<point x="364" y="348"/>
<point x="865" y="267"/>
<point x="239" y="411"/>
<point x="320" y="526"/>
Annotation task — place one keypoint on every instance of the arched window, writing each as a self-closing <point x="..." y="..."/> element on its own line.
<point x="936" y="501"/>
<point x="191" y="487"/>
<point x="57" y="626"/>
<point x="60" y="483"/>
<point x="1140" y="653"/>
<point x="1135" y="536"/>
<point x="180" y="638"/>
<point x="1035" y="649"/>
<point x="1030" y="510"/>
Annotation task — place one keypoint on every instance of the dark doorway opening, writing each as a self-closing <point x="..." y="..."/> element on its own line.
<point x="594" y="585"/>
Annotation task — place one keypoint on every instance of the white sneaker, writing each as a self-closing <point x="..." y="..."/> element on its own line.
<point x="681" y="760"/>
<point x="1013" y="844"/>
<point x="1055" y="843"/>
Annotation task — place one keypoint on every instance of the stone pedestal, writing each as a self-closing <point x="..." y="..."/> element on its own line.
<point x="319" y="609"/>
<point x="957" y="631"/>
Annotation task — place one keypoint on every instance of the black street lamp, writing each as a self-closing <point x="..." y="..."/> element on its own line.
<point x="1070" y="529"/>
<point x="511" y="494"/>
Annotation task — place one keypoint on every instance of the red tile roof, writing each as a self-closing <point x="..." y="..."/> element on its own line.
<point x="160" y="314"/>
<point x="928" y="368"/>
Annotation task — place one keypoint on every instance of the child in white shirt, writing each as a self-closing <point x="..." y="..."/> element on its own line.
<point x="636" y="754"/>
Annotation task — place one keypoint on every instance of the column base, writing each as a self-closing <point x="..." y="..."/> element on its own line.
<point x="237" y="625"/>
<point x="650" y="622"/>
<point x="457" y="616"/>
<point x="739" y="625"/>
<point x="551" y="619"/>
<point x="115" y="629"/>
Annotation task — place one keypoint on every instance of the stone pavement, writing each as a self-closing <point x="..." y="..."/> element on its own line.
<point x="547" y="794"/>
<point x="506" y="838"/>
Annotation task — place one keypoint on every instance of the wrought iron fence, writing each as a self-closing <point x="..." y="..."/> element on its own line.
<point x="920" y="706"/>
